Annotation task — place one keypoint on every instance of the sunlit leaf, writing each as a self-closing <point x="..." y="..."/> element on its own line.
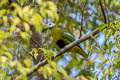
<point x="111" y="44"/>
<point x="27" y="62"/>
<point x="102" y="26"/>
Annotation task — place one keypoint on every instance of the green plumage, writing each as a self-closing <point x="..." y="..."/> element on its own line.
<point x="62" y="38"/>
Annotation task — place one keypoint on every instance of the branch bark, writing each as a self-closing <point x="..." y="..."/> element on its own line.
<point x="86" y="37"/>
<point x="44" y="62"/>
<point x="69" y="46"/>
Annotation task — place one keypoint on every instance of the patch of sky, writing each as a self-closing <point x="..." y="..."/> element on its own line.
<point x="46" y="20"/>
<point x="110" y="39"/>
<point x="65" y="61"/>
<point x="68" y="58"/>
<point x="67" y="7"/>
<point x="74" y="72"/>
<point x="101" y="38"/>
<point x="116" y="15"/>
<point x="92" y="8"/>
<point x="99" y="22"/>
<point x="98" y="73"/>
<point x="72" y="15"/>
<point x="90" y="18"/>
<point x="113" y="41"/>
<point x="10" y="50"/>
<point x="15" y="58"/>
<point x="10" y="71"/>
<point x="3" y="28"/>
<point x="61" y="63"/>
<point x="78" y="17"/>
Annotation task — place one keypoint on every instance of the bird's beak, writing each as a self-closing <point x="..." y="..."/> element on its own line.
<point x="46" y="26"/>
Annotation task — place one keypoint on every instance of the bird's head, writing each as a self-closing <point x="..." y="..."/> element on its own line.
<point x="49" y="25"/>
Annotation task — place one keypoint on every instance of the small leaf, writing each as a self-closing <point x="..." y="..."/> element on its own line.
<point x="116" y="33"/>
<point x="102" y="26"/>
<point x="27" y="62"/>
<point x="27" y="27"/>
<point x="35" y="55"/>
<point x="110" y="46"/>
<point x="117" y="44"/>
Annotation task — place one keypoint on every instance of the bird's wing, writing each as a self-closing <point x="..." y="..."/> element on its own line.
<point x="68" y="38"/>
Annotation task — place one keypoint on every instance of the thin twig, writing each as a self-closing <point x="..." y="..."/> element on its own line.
<point x="35" y="42"/>
<point x="67" y="47"/>
<point x="97" y="43"/>
<point x="91" y="48"/>
<point x="103" y="12"/>
<point x="27" y="51"/>
<point x="34" y="69"/>
<point x="86" y="37"/>
<point x="82" y="14"/>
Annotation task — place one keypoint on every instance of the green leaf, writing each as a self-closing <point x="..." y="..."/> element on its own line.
<point x="116" y="33"/>
<point x="117" y="44"/>
<point x="35" y="55"/>
<point x="27" y="63"/>
<point x="27" y="27"/>
<point x="25" y="37"/>
<point x="2" y="2"/>
<point x="108" y="32"/>
<point x="2" y="12"/>
<point x="48" y="53"/>
<point x="111" y="44"/>
<point x="34" y="52"/>
<point x="22" y="77"/>
<point x="50" y="14"/>
<point x="102" y="26"/>
<point x="106" y="1"/>
<point x="111" y="26"/>
<point x="37" y="21"/>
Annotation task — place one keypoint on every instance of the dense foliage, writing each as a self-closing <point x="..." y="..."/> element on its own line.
<point x="26" y="50"/>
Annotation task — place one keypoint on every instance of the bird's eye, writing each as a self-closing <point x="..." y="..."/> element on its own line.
<point x="50" y="24"/>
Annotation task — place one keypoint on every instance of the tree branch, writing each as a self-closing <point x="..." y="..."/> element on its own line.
<point x="62" y="51"/>
<point x="35" y="42"/>
<point x="97" y="44"/>
<point x="42" y="63"/>
<point x="69" y="46"/>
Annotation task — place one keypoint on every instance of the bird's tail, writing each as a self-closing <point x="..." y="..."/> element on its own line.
<point x="79" y="50"/>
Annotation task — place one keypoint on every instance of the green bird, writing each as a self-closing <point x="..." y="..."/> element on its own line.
<point x="62" y="38"/>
